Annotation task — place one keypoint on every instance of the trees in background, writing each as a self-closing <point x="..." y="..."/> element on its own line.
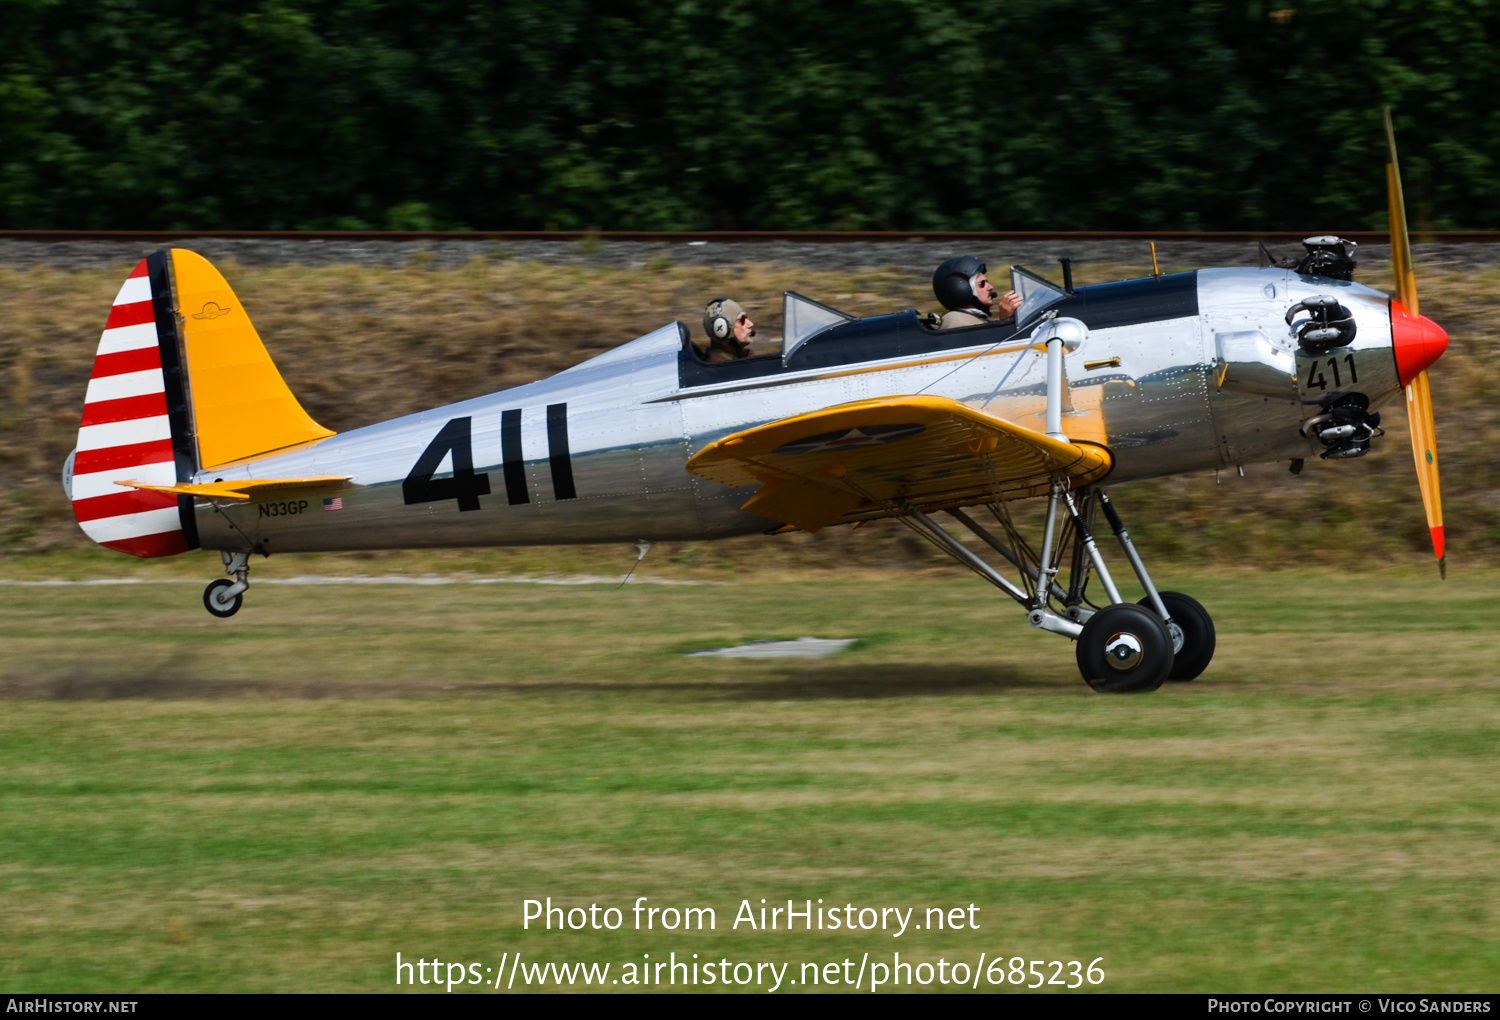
<point x="749" y="114"/>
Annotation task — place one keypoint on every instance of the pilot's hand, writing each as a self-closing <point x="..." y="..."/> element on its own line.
<point x="1009" y="303"/>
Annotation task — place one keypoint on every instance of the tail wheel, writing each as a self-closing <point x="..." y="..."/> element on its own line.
<point x="1124" y="649"/>
<point x="215" y="601"/>
<point x="1198" y="638"/>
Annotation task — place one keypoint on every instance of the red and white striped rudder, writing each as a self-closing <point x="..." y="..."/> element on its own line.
<point x="136" y="426"/>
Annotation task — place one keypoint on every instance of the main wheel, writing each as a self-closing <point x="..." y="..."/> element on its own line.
<point x="1124" y="649"/>
<point x="215" y="602"/>
<point x="1197" y="629"/>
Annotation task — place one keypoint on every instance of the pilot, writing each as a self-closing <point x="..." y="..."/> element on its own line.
<point x="963" y="289"/>
<point x="729" y="330"/>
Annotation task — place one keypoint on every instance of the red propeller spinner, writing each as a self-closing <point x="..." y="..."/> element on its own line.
<point x="1418" y="341"/>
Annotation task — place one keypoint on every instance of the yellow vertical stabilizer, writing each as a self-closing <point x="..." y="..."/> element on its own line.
<point x="241" y="405"/>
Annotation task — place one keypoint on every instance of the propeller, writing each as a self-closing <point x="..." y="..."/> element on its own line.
<point x="1418" y="342"/>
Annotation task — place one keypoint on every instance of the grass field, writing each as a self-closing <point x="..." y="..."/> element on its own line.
<point x="285" y="800"/>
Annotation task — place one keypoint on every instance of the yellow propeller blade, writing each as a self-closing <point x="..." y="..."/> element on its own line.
<point x="1419" y="390"/>
<point x="1406" y="277"/>
<point x="1424" y="449"/>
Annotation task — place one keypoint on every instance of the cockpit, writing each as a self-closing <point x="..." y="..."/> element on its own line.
<point x="816" y="335"/>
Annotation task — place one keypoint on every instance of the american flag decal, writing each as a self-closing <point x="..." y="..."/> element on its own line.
<point x="335" y="503"/>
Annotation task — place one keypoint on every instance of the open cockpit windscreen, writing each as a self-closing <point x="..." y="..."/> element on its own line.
<point x="802" y="319"/>
<point x="1036" y="293"/>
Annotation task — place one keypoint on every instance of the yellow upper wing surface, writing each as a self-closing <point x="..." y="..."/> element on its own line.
<point x="859" y="459"/>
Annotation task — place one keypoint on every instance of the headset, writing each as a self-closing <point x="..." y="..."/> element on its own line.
<point x="719" y="326"/>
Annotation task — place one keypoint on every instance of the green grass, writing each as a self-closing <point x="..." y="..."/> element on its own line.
<point x="284" y="800"/>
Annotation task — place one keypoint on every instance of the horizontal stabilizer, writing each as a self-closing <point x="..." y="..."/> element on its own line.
<point x="244" y="489"/>
<point x="863" y="459"/>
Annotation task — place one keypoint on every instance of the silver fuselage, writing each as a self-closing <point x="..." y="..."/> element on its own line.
<point x="1208" y="377"/>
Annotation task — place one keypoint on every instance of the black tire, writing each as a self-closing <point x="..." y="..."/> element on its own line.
<point x="1143" y="633"/>
<point x="1198" y="637"/>
<point x="213" y="603"/>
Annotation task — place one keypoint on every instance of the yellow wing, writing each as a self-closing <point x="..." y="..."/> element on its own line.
<point x="860" y="460"/>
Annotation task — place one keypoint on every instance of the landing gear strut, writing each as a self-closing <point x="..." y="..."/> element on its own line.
<point x="224" y="597"/>
<point x="1123" y="647"/>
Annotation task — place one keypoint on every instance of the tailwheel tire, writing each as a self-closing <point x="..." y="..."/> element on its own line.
<point x="1124" y="649"/>
<point x="215" y="602"/>
<point x="1198" y="638"/>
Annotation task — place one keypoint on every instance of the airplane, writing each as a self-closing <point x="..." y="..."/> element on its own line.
<point x="191" y="439"/>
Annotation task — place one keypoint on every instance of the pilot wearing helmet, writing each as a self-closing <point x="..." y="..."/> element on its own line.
<point x="729" y="331"/>
<point x="962" y="287"/>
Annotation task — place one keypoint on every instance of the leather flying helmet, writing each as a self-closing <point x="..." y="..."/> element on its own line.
<point x="719" y="318"/>
<point x="950" y="284"/>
